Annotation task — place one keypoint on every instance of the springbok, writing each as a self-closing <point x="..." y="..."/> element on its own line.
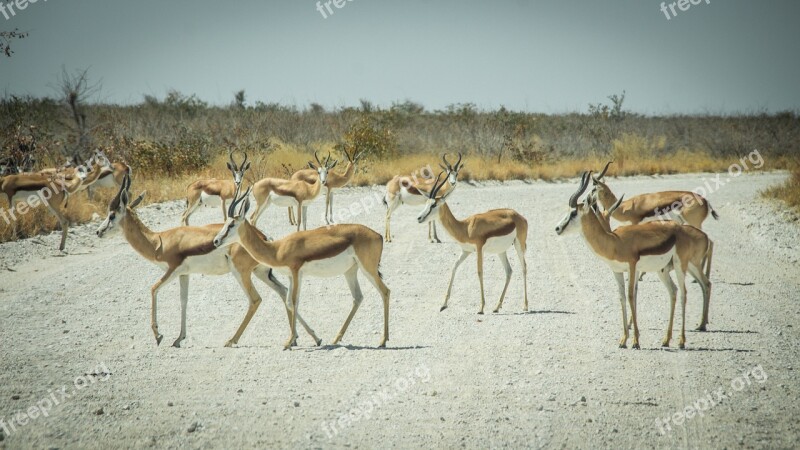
<point x="335" y="181"/>
<point x="650" y="247"/>
<point x="295" y="193"/>
<point x="683" y="206"/>
<point x="213" y="192"/>
<point x="493" y="232"/>
<point x="323" y="252"/>
<point x="184" y="251"/>
<point x="404" y="190"/>
<point x="32" y="189"/>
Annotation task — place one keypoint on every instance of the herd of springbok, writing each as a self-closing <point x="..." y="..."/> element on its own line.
<point x="646" y="242"/>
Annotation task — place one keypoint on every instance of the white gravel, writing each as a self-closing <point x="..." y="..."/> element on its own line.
<point x="551" y="378"/>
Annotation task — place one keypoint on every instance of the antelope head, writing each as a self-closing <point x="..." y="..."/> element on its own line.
<point x="599" y="187"/>
<point x="572" y="218"/>
<point x="238" y="170"/>
<point x="229" y="234"/>
<point x="118" y="209"/>
<point x="322" y="168"/>
<point x="431" y="208"/>
<point x="452" y="170"/>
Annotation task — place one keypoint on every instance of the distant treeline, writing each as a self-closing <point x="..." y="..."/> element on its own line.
<point x="185" y="133"/>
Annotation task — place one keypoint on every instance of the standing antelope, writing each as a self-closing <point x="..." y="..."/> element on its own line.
<point x="184" y="251"/>
<point x="650" y="247"/>
<point x="403" y="190"/>
<point x="323" y="252"/>
<point x="493" y="232"/>
<point x="335" y="181"/>
<point x="52" y="190"/>
<point x="213" y="192"/>
<point x="296" y="193"/>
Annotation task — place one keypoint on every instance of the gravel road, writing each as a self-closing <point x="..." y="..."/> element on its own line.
<point x="79" y="367"/>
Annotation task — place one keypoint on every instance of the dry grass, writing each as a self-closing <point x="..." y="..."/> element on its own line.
<point x="632" y="155"/>
<point x="788" y="192"/>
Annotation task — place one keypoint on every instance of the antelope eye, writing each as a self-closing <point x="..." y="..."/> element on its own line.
<point x="573" y="213"/>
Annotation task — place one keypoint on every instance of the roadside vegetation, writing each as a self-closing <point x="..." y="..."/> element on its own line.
<point x="171" y="141"/>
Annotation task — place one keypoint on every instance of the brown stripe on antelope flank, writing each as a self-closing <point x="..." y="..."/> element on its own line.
<point x="659" y="249"/>
<point x="212" y="190"/>
<point x="331" y="250"/>
<point x="664" y="208"/>
<point x="507" y="228"/>
<point x="198" y="250"/>
<point x="413" y="190"/>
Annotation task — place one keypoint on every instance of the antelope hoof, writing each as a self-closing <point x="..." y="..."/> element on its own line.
<point x="336" y="340"/>
<point x="701" y="327"/>
<point x="159" y="338"/>
<point x="635" y="346"/>
<point x="382" y="344"/>
<point x="319" y="342"/>
<point x="496" y="311"/>
<point x="177" y="343"/>
<point x="480" y="312"/>
<point x="442" y="308"/>
<point x="229" y="344"/>
<point x="665" y="343"/>
<point x="623" y="343"/>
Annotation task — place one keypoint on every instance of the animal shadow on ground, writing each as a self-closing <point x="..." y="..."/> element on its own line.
<point x="329" y="347"/>
<point x="525" y="313"/>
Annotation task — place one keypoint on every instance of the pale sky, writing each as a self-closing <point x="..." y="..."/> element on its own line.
<point x="724" y="56"/>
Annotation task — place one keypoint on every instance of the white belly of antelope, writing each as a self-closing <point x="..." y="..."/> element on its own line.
<point x="210" y="200"/>
<point x="497" y="244"/>
<point x="282" y="200"/>
<point x="214" y="263"/>
<point x="411" y="199"/>
<point x="326" y="268"/>
<point x="652" y="263"/>
<point x="22" y="196"/>
<point x="106" y="181"/>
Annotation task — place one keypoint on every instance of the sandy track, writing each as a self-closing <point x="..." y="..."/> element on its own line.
<point x="553" y="377"/>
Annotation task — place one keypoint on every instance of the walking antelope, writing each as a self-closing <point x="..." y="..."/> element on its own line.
<point x="649" y="247"/>
<point x="605" y="221"/>
<point x="403" y="190"/>
<point x="323" y="252"/>
<point x="491" y="232"/>
<point x="685" y="206"/>
<point x="52" y="190"/>
<point x="335" y="181"/>
<point x="296" y="193"/>
<point x="213" y="192"/>
<point x="183" y="251"/>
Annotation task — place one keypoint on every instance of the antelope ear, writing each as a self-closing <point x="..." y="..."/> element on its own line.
<point x="123" y="198"/>
<point x="311" y="165"/>
<point x="138" y="200"/>
<point x="442" y="166"/>
<point x="230" y="166"/>
<point x="246" y="166"/>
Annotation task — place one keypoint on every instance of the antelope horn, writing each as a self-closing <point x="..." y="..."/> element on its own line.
<point x="236" y="200"/>
<point x="233" y="161"/>
<point x="317" y="158"/>
<point x="615" y="205"/>
<point x="603" y="173"/>
<point x="573" y="201"/>
<point x="244" y="161"/>
<point x="328" y="159"/>
<point x="437" y="185"/>
<point x="459" y="161"/>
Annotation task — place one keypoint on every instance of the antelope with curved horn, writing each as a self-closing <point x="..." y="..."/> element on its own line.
<point x="403" y="190"/>
<point x="184" y="251"/>
<point x="492" y="232"/>
<point x="650" y="247"/>
<point x="683" y="206"/>
<point x="335" y="181"/>
<point x="33" y="189"/>
<point x="323" y="252"/>
<point x="214" y="192"/>
<point x="295" y="193"/>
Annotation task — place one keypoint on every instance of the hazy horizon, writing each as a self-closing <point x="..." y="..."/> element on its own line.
<point x="551" y="57"/>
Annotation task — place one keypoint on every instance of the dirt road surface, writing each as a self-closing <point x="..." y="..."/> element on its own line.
<point x="552" y="377"/>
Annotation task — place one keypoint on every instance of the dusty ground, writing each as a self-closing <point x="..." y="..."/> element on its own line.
<point x="553" y="377"/>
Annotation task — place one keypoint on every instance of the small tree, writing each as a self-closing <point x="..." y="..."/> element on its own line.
<point x="238" y="99"/>
<point x="5" y="40"/>
<point x="75" y="90"/>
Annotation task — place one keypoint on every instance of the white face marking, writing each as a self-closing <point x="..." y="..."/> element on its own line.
<point x="568" y="222"/>
<point x="229" y="234"/>
<point x="428" y="211"/>
<point x="323" y="175"/>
